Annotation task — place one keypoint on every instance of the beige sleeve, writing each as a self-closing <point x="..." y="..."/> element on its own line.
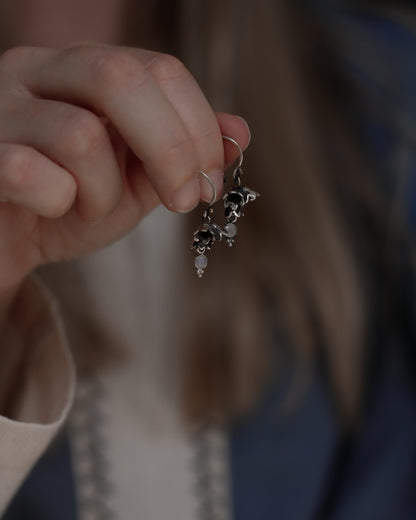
<point x="37" y="381"/>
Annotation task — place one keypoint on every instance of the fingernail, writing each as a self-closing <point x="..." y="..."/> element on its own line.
<point x="217" y="177"/>
<point x="187" y="196"/>
<point x="248" y="128"/>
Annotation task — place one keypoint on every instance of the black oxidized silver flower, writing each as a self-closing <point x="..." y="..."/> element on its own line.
<point x="235" y="200"/>
<point x="205" y="236"/>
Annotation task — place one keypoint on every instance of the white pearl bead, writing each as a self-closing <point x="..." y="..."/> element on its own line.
<point x="230" y="230"/>
<point x="201" y="261"/>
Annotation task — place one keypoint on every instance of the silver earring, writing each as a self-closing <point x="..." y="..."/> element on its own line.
<point x="234" y="200"/>
<point x="207" y="234"/>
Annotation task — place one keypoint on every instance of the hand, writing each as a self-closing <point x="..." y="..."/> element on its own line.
<point x="92" y="138"/>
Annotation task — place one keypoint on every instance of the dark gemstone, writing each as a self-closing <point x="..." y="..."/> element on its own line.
<point x="235" y="198"/>
<point x="205" y="236"/>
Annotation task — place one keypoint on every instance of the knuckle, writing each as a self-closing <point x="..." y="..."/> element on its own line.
<point x="11" y="58"/>
<point x="19" y="172"/>
<point x="116" y="70"/>
<point x="104" y="205"/>
<point x="80" y="52"/>
<point x="96" y="211"/>
<point x="16" y="167"/>
<point x="13" y="55"/>
<point x="81" y="133"/>
<point x="166" y="67"/>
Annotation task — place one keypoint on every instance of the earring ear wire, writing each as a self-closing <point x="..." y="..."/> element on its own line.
<point x="214" y="188"/>
<point x="240" y="151"/>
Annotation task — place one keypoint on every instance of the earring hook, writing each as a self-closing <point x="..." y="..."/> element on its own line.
<point x="240" y="151"/>
<point x="214" y="188"/>
<point x="211" y="182"/>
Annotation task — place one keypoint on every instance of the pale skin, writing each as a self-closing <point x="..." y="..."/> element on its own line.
<point x="92" y="138"/>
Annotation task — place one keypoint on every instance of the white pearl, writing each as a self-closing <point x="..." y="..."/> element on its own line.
<point x="201" y="261"/>
<point x="230" y="230"/>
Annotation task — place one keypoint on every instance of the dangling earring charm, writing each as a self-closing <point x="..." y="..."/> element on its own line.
<point x="236" y="198"/>
<point x="207" y="234"/>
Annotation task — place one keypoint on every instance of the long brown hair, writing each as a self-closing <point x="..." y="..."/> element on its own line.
<point x="296" y="263"/>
